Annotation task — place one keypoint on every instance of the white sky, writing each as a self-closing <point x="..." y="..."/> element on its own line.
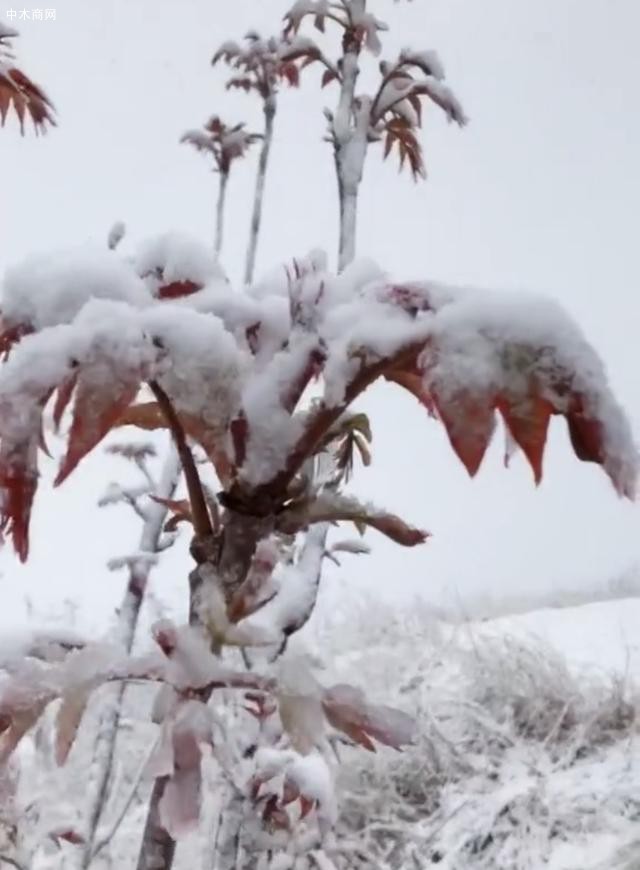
<point x="540" y="192"/>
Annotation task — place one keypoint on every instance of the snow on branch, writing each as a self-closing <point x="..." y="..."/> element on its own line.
<point x="260" y="64"/>
<point x="236" y="377"/>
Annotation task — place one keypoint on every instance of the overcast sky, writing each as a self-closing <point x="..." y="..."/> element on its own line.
<point x="539" y="192"/>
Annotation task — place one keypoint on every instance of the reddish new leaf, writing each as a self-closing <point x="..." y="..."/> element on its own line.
<point x="178" y="289"/>
<point x="347" y="710"/>
<point x="18" y="482"/>
<point x="328" y="76"/>
<point x="27" y="99"/>
<point x="528" y="423"/>
<point x="67" y="835"/>
<point x="414" y="383"/>
<point x="97" y="409"/>
<point x="470" y="423"/>
<point x="12" y="334"/>
<point x="63" y="397"/>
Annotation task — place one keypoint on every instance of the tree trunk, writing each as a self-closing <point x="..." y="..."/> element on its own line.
<point x="258" y="200"/>
<point x="349" y="132"/>
<point x="230" y="568"/>
<point x="129" y="614"/>
<point x="220" y="206"/>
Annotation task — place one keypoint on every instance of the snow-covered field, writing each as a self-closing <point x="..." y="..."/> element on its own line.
<point x="528" y="749"/>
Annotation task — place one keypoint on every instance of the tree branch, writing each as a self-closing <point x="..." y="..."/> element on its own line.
<point x="320" y="421"/>
<point x="201" y="518"/>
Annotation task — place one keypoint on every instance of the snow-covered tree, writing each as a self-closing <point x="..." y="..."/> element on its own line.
<point x="257" y="388"/>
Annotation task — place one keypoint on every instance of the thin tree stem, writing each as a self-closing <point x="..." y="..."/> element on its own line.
<point x="201" y="517"/>
<point x="258" y="200"/>
<point x="220" y="206"/>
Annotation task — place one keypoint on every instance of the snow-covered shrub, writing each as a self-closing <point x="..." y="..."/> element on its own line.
<point x="265" y="389"/>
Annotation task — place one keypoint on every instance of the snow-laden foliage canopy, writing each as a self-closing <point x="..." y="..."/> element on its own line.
<point x="89" y="329"/>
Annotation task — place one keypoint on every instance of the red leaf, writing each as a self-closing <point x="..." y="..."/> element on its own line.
<point x="413" y="382"/>
<point x="177" y="289"/>
<point x="148" y="416"/>
<point x="470" y="422"/>
<point x="239" y="428"/>
<point x="68" y="835"/>
<point x="289" y="71"/>
<point x="586" y="434"/>
<point x="10" y="335"/>
<point x="347" y="710"/>
<point x="96" y="410"/>
<point x="528" y="422"/>
<point x="18" y="481"/>
<point x="27" y="99"/>
<point x="63" y="397"/>
<point x="328" y="76"/>
<point x="306" y="805"/>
